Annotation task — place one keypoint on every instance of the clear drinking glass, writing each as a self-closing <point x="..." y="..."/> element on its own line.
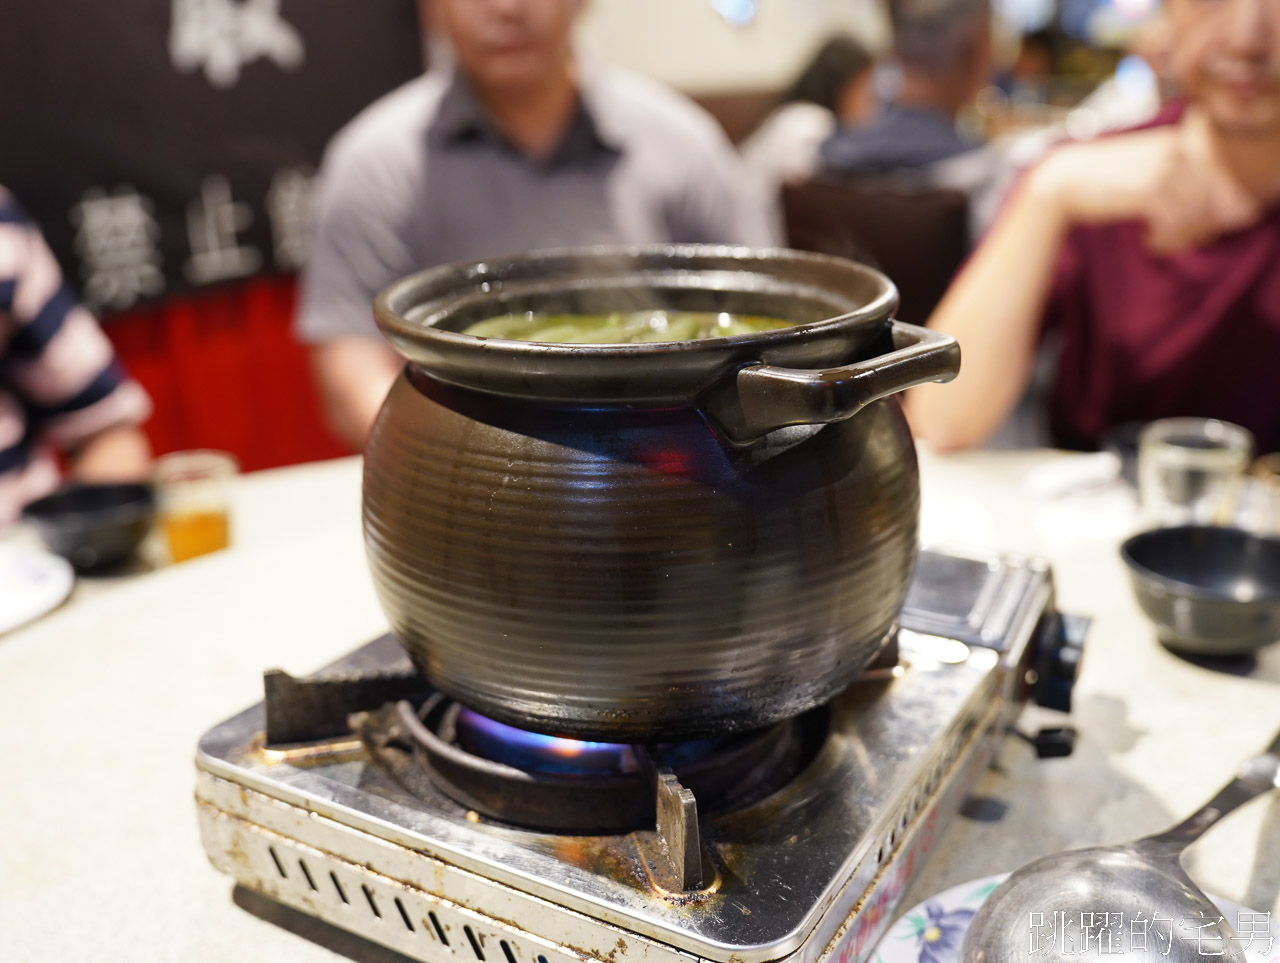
<point x="1190" y="470"/>
<point x="1259" y="511"/>
<point x="194" y="492"/>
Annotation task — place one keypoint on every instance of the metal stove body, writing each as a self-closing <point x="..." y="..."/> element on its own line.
<point x="812" y="872"/>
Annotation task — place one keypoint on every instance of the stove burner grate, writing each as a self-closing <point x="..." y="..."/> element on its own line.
<point x="563" y="785"/>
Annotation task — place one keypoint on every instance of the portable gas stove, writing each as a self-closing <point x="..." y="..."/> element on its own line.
<point x="360" y="796"/>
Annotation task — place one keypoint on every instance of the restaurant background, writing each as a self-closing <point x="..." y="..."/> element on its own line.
<point x="167" y="150"/>
<point x="107" y="861"/>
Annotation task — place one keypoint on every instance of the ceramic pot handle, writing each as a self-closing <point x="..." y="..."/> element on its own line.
<point x="772" y="397"/>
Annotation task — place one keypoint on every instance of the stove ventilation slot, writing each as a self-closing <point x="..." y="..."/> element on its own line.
<point x="373" y="903"/>
<point x="435" y="924"/>
<point x="379" y="908"/>
<point x="275" y="858"/>
<point x="937" y="776"/>
<point x="471" y="938"/>
<point x="404" y="915"/>
<point x="307" y="874"/>
<point x="342" y="893"/>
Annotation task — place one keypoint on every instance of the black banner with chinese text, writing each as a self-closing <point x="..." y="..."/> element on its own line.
<point x="164" y="145"/>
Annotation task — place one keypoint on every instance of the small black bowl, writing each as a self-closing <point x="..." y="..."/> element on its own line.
<point x="1211" y="591"/>
<point x="94" y="526"/>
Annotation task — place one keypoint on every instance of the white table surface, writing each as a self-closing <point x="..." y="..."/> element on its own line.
<point x="103" y="700"/>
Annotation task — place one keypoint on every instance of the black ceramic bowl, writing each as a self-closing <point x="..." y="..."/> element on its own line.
<point x="94" y="526"/>
<point x="1210" y="591"/>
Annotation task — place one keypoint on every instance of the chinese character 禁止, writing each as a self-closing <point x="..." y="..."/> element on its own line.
<point x="213" y="222"/>
<point x="221" y="36"/>
<point x="116" y="237"/>
<point x="288" y="203"/>
<point x="1207" y="944"/>
<point x="1103" y="930"/>
<point x="1254" y="928"/>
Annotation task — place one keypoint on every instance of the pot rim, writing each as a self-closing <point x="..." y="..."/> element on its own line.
<point x="414" y="306"/>
<point x="850" y="303"/>
<point x="1176" y="587"/>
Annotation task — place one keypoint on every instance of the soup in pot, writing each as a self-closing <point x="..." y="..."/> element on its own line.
<point x="622" y="327"/>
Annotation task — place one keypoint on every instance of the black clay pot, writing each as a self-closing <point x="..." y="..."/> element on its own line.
<point x="647" y="542"/>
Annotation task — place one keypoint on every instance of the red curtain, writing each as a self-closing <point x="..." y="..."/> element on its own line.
<point x="224" y="371"/>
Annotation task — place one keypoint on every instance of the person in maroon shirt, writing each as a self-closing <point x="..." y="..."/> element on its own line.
<point x="1154" y="254"/>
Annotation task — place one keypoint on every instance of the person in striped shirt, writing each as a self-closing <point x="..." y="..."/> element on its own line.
<point x="64" y="396"/>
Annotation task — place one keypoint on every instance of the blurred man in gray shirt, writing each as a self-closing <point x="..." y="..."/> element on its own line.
<point x="519" y="144"/>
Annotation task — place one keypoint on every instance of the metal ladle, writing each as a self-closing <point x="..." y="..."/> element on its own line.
<point x="1040" y="912"/>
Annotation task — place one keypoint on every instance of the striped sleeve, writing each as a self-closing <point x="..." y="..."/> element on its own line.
<point x="57" y="361"/>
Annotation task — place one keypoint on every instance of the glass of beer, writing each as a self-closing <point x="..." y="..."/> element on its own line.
<point x="194" y="491"/>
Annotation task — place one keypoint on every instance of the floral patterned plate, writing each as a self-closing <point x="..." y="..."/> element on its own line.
<point x="934" y="930"/>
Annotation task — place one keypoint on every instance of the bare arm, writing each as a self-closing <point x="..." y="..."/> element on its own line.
<point x="117" y="454"/>
<point x="993" y="309"/>
<point x="366" y="203"/>
<point x="1166" y="177"/>
<point x="353" y="373"/>
<point x="91" y="409"/>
